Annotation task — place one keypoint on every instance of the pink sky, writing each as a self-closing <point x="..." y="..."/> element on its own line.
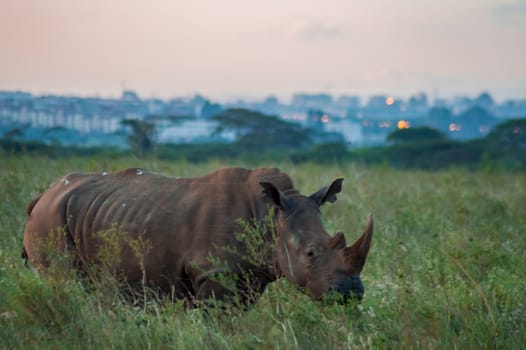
<point x="239" y="48"/>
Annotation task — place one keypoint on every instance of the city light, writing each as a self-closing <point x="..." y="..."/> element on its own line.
<point x="455" y="127"/>
<point x="403" y="124"/>
<point x="98" y="119"/>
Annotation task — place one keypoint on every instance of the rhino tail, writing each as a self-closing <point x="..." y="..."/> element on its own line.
<point x="29" y="209"/>
<point x="32" y="204"/>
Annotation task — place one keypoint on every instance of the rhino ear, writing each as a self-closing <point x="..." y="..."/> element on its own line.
<point x="275" y="197"/>
<point x="356" y="254"/>
<point x="328" y="193"/>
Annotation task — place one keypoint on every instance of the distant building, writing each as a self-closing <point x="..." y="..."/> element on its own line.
<point x="351" y="131"/>
<point x="348" y="102"/>
<point x="317" y="119"/>
<point x="417" y="106"/>
<point x="312" y="101"/>
<point x="418" y="101"/>
<point x="485" y="101"/>
<point x="90" y="121"/>
<point x="511" y="109"/>
<point x="15" y="95"/>
<point x="193" y="131"/>
<point x="130" y="96"/>
<point x="377" y="101"/>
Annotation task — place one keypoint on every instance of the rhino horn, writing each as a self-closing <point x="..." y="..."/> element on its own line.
<point x="356" y="254"/>
<point x="337" y="241"/>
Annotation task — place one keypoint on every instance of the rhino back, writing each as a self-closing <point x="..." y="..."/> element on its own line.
<point x="184" y="220"/>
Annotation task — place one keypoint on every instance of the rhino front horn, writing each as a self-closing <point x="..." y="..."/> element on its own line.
<point x="357" y="253"/>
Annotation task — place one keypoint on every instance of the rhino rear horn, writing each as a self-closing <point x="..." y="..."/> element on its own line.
<point x="357" y="253"/>
<point x="337" y="241"/>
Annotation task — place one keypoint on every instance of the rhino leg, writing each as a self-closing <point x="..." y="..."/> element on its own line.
<point x="47" y="237"/>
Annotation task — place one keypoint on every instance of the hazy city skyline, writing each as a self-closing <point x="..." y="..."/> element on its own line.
<point x="235" y="48"/>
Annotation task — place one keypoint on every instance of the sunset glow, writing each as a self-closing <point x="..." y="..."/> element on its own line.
<point x="234" y="48"/>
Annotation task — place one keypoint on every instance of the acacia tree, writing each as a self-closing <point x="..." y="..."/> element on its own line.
<point x="255" y="130"/>
<point x="142" y="137"/>
<point x="414" y="135"/>
<point x="17" y="132"/>
<point x="510" y="135"/>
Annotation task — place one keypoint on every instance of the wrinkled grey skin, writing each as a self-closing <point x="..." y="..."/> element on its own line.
<point x="190" y="226"/>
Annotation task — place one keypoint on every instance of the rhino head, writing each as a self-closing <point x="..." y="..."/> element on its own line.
<point x="306" y="254"/>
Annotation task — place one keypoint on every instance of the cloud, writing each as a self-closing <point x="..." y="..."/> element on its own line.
<point x="514" y="13"/>
<point x="517" y="7"/>
<point x="308" y="29"/>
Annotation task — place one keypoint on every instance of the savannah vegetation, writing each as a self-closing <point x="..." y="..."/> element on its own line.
<point x="445" y="270"/>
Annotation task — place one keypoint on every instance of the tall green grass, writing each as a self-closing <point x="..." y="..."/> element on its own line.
<point x="446" y="270"/>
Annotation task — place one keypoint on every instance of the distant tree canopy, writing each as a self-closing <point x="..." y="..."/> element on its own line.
<point x="440" y="114"/>
<point x="172" y="119"/>
<point x="476" y="115"/>
<point x="261" y="139"/>
<point x="415" y="135"/>
<point x="484" y="100"/>
<point x="254" y="130"/>
<point x="142" y="137"/>
<point x="510" y="135"/>
<point x="210" y="109"/>
<point x="14" y="133"/>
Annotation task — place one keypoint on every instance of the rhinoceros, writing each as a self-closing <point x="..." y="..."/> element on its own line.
<point x="193" y="231"/>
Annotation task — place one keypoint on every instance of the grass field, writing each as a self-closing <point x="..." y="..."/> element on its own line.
<point x="447" y="269"/>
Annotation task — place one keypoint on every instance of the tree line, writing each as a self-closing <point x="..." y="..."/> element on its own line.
<point x="262" y="137"/>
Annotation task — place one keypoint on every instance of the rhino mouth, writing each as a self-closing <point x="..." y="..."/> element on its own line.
<point x="350" y="288"/>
